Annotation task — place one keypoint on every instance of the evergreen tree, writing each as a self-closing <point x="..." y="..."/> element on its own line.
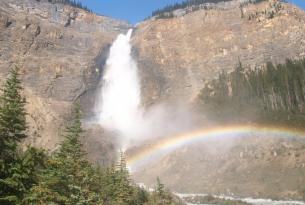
<point x="65" y="177"/>
<point x="160" y="188"/>
<point x="161" y="196"/>
<point x="118" y="188"/>
<point x="271" y="92"/>
<point x="69" y="179"/>
<point x="12" y="116"/>
<point x="12" y="130"/>
<point x="125" y="191"/>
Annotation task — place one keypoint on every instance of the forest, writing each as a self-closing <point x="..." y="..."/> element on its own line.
<point x="194" y="5"/>
<point x="33" y="176"/>
<point x="273" y="92"/>
<point x="74" y="3"/>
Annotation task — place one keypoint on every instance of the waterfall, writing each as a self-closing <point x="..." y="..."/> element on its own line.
<point x="118" y="102"/>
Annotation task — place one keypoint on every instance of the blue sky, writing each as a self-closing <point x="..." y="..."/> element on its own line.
<point x="136" y="10"/>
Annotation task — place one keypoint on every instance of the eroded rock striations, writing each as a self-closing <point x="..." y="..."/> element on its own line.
<point x="258" y="167"/>
<point x="177" y="55"/>
<point x="61" y="51"/>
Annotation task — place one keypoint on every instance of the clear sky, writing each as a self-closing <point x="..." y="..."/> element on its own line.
<point x="136" y="10"/>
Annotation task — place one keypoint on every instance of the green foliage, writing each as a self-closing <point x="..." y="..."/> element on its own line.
<point x="263" y="93"/>
<point x="160" y="188"/>
<point x="74" y="3"/>
<point x="65" y="177"/>
<point x="17" y="169"/>
<point x="68" y="178"/>
<point x="12" y="116"/>
<point x="161" y="196"/>
<point x="191" y="5"/>
<point x="166" y="12"/>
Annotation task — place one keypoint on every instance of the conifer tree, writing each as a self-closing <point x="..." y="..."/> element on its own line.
<point x="271" y="92"/>
<point x="161" y="196"/>
<point x="12" y="116"/>
<point x="160" y="188"/>
<point x="125" y="191"/>
<point x="69" y="177"/>
<point x="12" y="130"/>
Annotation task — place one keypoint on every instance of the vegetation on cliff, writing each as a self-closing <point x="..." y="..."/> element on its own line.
<point x="192" y="5"/>
<point x="17" y="168"/>
<point x="64" y="177"/>
<point x="74" y="3"/>
<point x="272" y="92"/>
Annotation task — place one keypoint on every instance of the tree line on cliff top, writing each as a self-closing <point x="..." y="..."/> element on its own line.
<point x="74" y="3"/>
<point x="193" y="5"/>
<point x="65" y="177"/>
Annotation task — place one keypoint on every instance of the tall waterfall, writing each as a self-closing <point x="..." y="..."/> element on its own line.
<point x="118" y="103"/>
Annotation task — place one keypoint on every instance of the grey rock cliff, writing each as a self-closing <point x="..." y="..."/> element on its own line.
<point x="176" y="56"/>
<point x="61" y="51"/>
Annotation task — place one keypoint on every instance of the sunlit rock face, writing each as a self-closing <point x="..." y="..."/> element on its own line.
<point x="254" y="166"/>
<point x="61" y="51"/>
<point x="177" y="55"/>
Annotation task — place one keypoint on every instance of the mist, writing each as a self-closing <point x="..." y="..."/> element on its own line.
<point x="118" y="103"/>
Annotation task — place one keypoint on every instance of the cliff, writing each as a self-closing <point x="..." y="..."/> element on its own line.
<point x="60" y="51"/>
<point x="178" y="55"/>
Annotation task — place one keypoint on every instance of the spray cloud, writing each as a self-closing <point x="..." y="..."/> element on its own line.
<point x="119" y="102"/>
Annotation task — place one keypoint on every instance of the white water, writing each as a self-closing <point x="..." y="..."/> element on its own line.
<point x="118" y="103"/>
<point x="252" y="201"/>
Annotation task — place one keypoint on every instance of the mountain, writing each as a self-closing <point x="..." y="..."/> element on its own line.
<point x="180" y="53"/>
<point x="256" y="166"/>
<point x="176" y="56"/>
<point x="62" y="50"/>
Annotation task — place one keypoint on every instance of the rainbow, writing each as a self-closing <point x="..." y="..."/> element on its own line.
<point x="166" y="145"/>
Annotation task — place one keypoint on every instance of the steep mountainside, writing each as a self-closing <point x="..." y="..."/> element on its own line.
<point x="61" y="51"/>
<point x="254" y="166"/>
<point x="177" y="55"/>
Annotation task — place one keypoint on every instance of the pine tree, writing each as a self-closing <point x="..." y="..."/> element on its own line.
<point x="270" y="92"/>
<point x="160" y="188"/>
<point x="17" y="169"/>
<point x="125" y="191"/>
<point x="12" y="116"/>
<point x="69" y="179"/>
<point x="161" y="196"/>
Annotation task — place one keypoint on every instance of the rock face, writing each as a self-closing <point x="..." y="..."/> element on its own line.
<point x="61" y="51"/>
<point x="254" y="166"/>
<point x="177" y="55"/>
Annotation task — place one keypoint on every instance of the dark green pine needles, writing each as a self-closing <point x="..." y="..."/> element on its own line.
<point x="64" y="177"/>
<point x="17" y="169"/>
